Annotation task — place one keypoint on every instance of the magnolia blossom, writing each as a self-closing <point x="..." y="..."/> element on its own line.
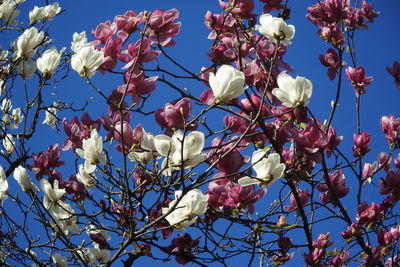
<point x="227" y="83"/>
<point x="60" y="260"/>
<point x="65" y="217"/>
<point x="92" y="151"/>
<point x="84" y="177"/>
<point x="17" y="117"/>
<point x="87" y="60"/>
<point x="189" y="207"/>
<point x="49" y="61"/>
<point x="9" y="145"/>
<point x="8" y="11"/>
<point x="188" y="154"/>
<point x="147" y="152"/>
<point x="51" y="116"/>
<point x="268" y="169"/>
<point x="22" y="177"/>
<point x="3" y="185"/>
<point x="78" y="40"/>
<point x="293" y="92"/>
<point x="275" y="29"/>
<point x="51" y="193"/>
<point x="97" y="255"/>
<point x="28" y="42"/>
<point x="43" y="13"/>
<point x="27" y="68"/>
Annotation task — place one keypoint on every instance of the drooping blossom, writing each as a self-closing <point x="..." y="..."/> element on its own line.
<point x="268" y="169"/>
<point x="49" y="61"/>
<point x="227" y="83"/>
<point x="182" y="247"/>
<point x="338" y="186"/>
<point x="275" y="29"/>
<point x="358" y="79"/>
<point x="28" y="42"/>
<point x="92" y="151"/>
<point x="395" y="72"/>
<point x="332" y="61"/>
<point x="87" y="60"/>
<point x="177" y="154"/>
<point x="293" y="92"/>
<point x="189" y="207"/>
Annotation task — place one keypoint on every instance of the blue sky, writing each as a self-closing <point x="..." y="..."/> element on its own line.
<point x="377" y="48"/>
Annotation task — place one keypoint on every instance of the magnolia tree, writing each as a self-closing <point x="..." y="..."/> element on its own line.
<point x="195" y="190"/>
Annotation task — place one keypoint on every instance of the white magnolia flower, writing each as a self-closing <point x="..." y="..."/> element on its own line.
<point x="92" y="230"/>
<point x="22" y="177"/>
<point x="8" y="12"/>
<point x="96" y="255"/>
<point x="49" y="61"/>
<point x="79" y="40"/>
<point x="149" y="150"/>
<point x="227" y="83"/>
<point x="51" y="116"/>
<point x="28" y="42"/>
<point x="275" y="29"/>
<point x="17" y="117"/>
<point x="6" y="105"/>
<point x="193" y="204"/>
<point x="3" y="185"/>
<point x="92" y="151"/>
<point x="9" y="145"/>
<point x="188" y="154"/>
<point x="85" y="178"/>
<point x="43" y="13"/>
<point x="268" y="169"/>
<point x="65" y="217"/>
<point x="51" y="193"/>
<point x="60" y="260"/>
<point x="293" y="92"/>
<point x="27" y="68"/>
<point x="87" y="60"/>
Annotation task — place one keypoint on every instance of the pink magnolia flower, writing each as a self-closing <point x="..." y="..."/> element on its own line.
<point x="369" y="170"/>
<point x="355" y="18"/>
<point x="73" y="186"/>
<point x="384" y="160"/>
<point x="232" y="161"/>
<point x="129" y="21"/>
<point x="271" y="5"/>
<point x="370" y="214"/>
<point x="111" y="49"/>
<point x="395" y="72"/>
<point x="390" y="125"/>
<point x="368" y="11"/>
<point x="138" y="53"/>
<point x="226" y="51"/>
<point x="254" y="104"/>
<point x="304" y="196"/>
<point x="328" y="12"/>
<point x="161" y="27"/>
<point x="242" y="8"/>
<point x="104" y="31"/>
<point x="391" y="184"/>
<point x="338" y="184"/>
<point x="182" y="247"/>
<point x="127" y="137"/>
<point x="78" y="130"/>
<point x="332" y="61"/>
<point x="220" y="23"/>
<point x="395" y="232"/>
<point x="352" y="230"/>
<point x="332" y="35"/>
<point x="174" y="115"/>
<point x="358" y="79"/>
<point x="45" y="162"/>
<point x="361" y="143"/>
